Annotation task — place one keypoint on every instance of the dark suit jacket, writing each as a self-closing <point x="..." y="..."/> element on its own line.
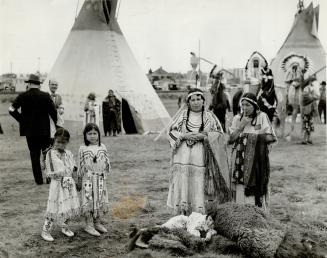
<point x="36" y="107"/>
<point x="56" y="98"/>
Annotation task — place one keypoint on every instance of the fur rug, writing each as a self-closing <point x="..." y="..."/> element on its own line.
<point x="254" y="231"/>
<point x="258" y="234"/>
<point x="242" y="229"/>
<point x="179" y="242"/>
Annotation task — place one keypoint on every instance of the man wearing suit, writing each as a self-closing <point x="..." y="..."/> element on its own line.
<point x="36" y="107"/>
<point x="53" y="86"/>
<point x="56" y="98"/>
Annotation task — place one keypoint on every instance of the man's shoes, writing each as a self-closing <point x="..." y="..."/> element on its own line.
<point x="46" y="236"/>
<point x="91" y="230"/>
<point x="309" y="141"/>
<point x="100" y="228"/>
<point x="304" y="143"/>
<point x="67" y="232"/>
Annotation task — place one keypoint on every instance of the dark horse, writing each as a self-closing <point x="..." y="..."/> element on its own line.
<point x="220" y="102"/>
<point x="267" y="98"/>
<point x="236" y="102"/>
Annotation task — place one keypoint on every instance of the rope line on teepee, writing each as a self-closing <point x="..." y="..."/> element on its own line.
<point x="76" y="9"/>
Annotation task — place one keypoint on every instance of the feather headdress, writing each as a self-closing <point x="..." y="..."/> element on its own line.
<point x="295" y="60"/>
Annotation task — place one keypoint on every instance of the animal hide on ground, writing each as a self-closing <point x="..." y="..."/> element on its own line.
<point x="258" y="234"/>
<point x="243" y="229"/>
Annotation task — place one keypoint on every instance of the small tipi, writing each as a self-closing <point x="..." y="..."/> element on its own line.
<point x="302" y="43"/>
<point x="96" y="58"/>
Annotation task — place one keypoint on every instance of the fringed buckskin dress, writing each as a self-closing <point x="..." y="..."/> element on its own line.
<point x="94" y="167"/>
<point x="63" y="201"/>
<point x="190" y="179"/>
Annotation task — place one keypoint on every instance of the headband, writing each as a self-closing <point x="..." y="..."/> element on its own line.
<point x="194" y="93"/>
<point x="249" y="100"/>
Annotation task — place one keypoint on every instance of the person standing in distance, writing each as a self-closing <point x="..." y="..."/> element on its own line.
<point x="56" y="98"/>
<point x="36" y="107"/>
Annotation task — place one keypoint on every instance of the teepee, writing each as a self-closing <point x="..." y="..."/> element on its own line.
<point x="301" y="45"/>
<point x="96" y="58"/>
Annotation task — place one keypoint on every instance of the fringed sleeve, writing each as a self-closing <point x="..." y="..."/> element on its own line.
<point x="80" y="162"/>
<point x="55" y="167"/>
<point x="107" y="161"/>
<point x="72" y="164"/>
<point x="175" y="131"/>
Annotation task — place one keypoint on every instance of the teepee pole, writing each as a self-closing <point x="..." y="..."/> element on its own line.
<point x="171" y="121"/>
<point x="76" y="9"/>
<point x="118" y="7"/>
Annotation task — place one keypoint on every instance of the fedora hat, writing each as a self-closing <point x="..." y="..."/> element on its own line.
<point x="34" y="79"/>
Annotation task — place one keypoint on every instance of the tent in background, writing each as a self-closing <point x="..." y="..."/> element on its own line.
<point x="96" y="58"/>
<point x="302" y="41"/>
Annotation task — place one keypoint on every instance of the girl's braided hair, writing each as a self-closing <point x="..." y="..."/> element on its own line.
<point x="188" y="109"/>
<point x="62" y="133"/>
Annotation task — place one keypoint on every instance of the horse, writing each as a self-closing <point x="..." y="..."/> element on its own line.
<point x="267" y="98"/>
<point x="220" y="102"/>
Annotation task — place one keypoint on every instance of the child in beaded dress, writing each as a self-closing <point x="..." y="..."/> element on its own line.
<point x="94" y="167"/>
<point x="63" y="201"/>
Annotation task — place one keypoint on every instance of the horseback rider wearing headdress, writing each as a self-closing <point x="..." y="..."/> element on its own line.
<point x="294" y="79"/>
<point x="267" y="99"/>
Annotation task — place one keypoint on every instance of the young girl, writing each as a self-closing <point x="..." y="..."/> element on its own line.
<point x="94" y="168"/>
<point x="63" y="201"/>
<point x="91" y="108"/>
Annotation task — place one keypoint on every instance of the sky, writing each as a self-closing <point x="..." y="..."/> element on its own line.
<point x="159" y="32"/>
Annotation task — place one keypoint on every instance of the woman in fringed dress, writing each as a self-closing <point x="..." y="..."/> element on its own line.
<point x="199" y="166"/>
<point x="251" y="133"/>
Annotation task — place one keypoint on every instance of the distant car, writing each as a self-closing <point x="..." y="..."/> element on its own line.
<point x="157" y="87"/>
<point x="172" y="86"/>
<point x="7" y="88"/>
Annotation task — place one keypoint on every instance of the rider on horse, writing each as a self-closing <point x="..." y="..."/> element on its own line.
<point x="267" y="99"/>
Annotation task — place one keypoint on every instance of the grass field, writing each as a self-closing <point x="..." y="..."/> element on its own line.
<point x="138" y="187"/>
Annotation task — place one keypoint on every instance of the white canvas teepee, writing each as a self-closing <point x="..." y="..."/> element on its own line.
<point x="302" y="43"/>
<point x="96" y="58"/>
